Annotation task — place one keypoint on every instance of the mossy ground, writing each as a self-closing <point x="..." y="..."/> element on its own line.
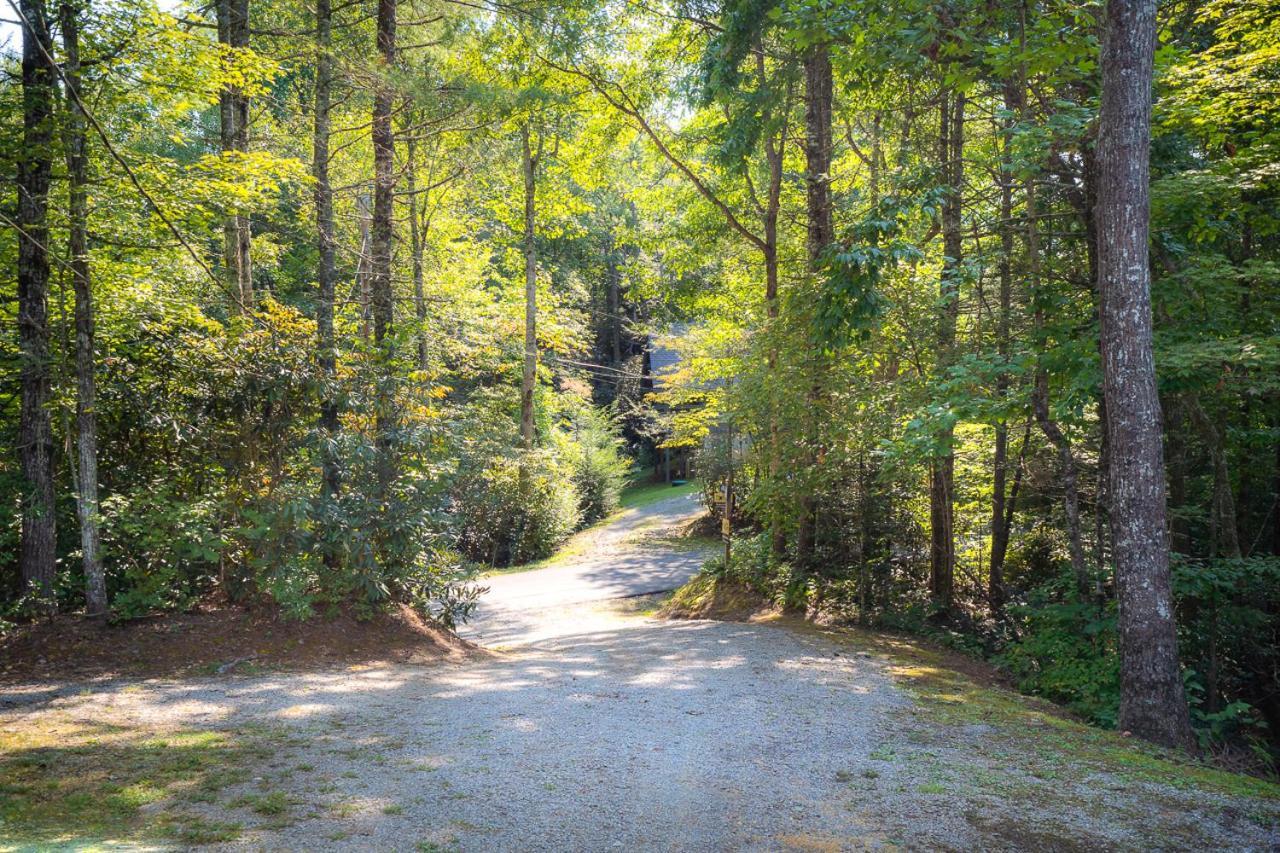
<point x="1062" y="743"/>
<point x="707" y="597"/>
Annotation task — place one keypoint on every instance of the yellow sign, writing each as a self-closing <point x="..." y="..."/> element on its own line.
<point x="724" y="526"/>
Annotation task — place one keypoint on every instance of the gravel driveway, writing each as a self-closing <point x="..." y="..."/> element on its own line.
<point x="595" y="727"/>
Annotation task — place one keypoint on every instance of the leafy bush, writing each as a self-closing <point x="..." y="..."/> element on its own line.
<point x="438" y="586"/>
<point x="1035" y="558"/>
<point x="512" y="510"/>
<point x="163" y="547"/>
<point x="753" y="564"/>
<point x="1068" y="652"/>
<point x="1229" y="639"/>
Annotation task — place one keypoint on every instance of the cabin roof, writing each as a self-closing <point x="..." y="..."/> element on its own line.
<point x="664" y="359"/>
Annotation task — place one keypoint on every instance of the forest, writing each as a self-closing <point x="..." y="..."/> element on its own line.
<point x="333" y="305"/>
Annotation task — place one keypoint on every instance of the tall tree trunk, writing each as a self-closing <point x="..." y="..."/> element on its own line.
<point x="942" y="555"/>
<point x="1176" y="463"/>
<point x="37" y="551"/>
<point x="1040" y="389"/>
<point x="1153" y="704"/>
<point x="95" y="594"/>
<point x="529" y="374"/>
<point x="233" y="110"/>
<point x="1000" y="461"/>
<point x="415" y="247"/>
<point x="1275" y="485"/>
<point x="773" y="204"/>
<point x="384" y="185"/>
<point x="1040" y="405"/>
<point x="817" y="149"/>
<point x="326" y="272"/>
<point x="364" y="264"/>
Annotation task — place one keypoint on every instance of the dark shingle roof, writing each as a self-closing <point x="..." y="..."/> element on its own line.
<point x="665" y="360"/>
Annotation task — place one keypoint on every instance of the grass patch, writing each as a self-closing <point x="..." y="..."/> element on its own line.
<point x="643" y="494"/>
<point x="65" y="782"/>
<point x="272" y="804"/>
<point x="708" y="597"/>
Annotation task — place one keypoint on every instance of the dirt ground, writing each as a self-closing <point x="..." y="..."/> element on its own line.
<point x="216" y="640"/>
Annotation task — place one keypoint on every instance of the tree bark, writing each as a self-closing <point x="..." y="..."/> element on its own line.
<point x="37" y="551"/>
<point x="1000" y="460"/>
<point x="817" y="149"/>
<point x="326" y="271"/>
<point x="384" y="185"/>
<point x="233" y="110"/>
<point x="415" y="248"/>
<point x="942" y="556"/>
<point x="78" y="240"/>
<point x="529" y="375"/>
<point x="1153" y="703"/>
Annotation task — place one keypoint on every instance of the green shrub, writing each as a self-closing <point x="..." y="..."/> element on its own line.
<point x="162" y="546"/>
<point x="512" y="510"/>
<point x="593" y="449"/>
<point x="1066" y="650"/>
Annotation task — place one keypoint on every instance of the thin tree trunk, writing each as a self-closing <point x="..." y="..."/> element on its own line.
<point x="817" y="149"/>
<point x="1275" y="486"/>
<point x="942" y="555"/>
<point x="769" y="251"/>
<point x="384" y="185"/>
<point x="613" y="302"/>
<point x="1153" y="702"/>
<point x="1224" y="506"/>
<point x="415" y="249"/>
<point x="529" y="374"/>
<point x="1000" y="462"/>
<point x="1176" y="463"/>
<point x="364" y="264"/>
<point x="1040" y="404"/>
<point x="37" y="551"/>
<point x="233" y="109"/>
<point x="1040" y="388"/>
<point x="78" y="233"/>
<point x="326" y="272"/>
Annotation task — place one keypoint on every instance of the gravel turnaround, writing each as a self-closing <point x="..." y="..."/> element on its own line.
<point x="595" y="727"/>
